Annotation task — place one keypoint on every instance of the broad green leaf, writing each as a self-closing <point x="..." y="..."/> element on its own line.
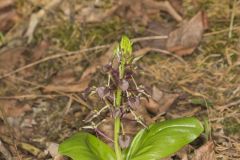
<point x="84" y="146"/>
<point x="163" y="139"/>
<point x="126" y="45"/>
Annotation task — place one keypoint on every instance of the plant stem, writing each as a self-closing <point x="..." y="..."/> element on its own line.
<point x="117" y="121"/>
<point x="117" y="125"/>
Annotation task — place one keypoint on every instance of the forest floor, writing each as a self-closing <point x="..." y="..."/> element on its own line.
<point x="51" y="51"/>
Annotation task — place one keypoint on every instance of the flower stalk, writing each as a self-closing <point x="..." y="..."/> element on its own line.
<point x="123" y="52"/>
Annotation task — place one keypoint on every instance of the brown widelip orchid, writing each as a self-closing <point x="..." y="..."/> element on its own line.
<point x="121" y="96"/>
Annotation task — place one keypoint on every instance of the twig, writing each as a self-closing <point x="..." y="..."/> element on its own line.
<point x="74" y="97"/>
<point x="229" y="105"/>
<point x="30" y="96"/>
<point x="220" y="31"/>
<point x="149" y="38"/>
<point x="169" y="53"/>
<point x="51" y="58"/>
<point x="74" y="53"/>
<point x="165" y="6"/>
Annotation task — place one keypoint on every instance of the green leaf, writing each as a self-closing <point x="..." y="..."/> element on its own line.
<point x="84" y="146"/>
<point x="163" y="139"/>
<point x="126" y="45"/>
<point x="116" y="50"/>
<point x="202" y="102"/>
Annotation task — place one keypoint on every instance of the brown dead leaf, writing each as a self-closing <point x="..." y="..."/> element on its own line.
<point x="8" y="16"/>
<point x="184" y="40"/>
<point x="160" y="101"/>
<point x="65" y="82"/>
<point x="66" y="76"/>
<point x="205" y="152"/>
<point x="142" y="10"/>
<point x="12" y="109"/>
<point x="91" y="14"/>
<point x="6" y="3"/>
<point x="71" y="87"/>
<point x="11" y="59"/>
<point x="40" y="51"/>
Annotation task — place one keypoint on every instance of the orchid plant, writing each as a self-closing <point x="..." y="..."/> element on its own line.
<point x="121" y="94"/>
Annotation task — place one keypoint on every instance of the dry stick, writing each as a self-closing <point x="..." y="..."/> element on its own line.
<point x="73" y="53"/>
<point x="30" y="96"/>
<point x="51" y="58"/>
<point x="74" y="97"/>
<point x="220" y="31"/>
<point x="229" y="105"/>
<point x="148" y="38"/>
<point x="169" y="53"/>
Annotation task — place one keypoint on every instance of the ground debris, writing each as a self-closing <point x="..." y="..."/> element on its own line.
<point x="205" y="152"/>
<point x="184" y="40"/>
<point x="8" y="15"/>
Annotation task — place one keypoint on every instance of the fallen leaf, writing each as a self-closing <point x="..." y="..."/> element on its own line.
<point x="184" y="40"/>
<point x="160" y="101"/>
<point x="157" y="94"/>
<point x="8" y="16"/>
<point x="6" y="3"/>
<point x="11" y="59"/>
<point x="143" y="10"/>
<point x="205" y="152"/>
<point x="40" y="50"/>
<point x="12" y="109"/>
<point x="72" y="87"/>
<point x="92" y="14"/>
<point x="65" y="82"/>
